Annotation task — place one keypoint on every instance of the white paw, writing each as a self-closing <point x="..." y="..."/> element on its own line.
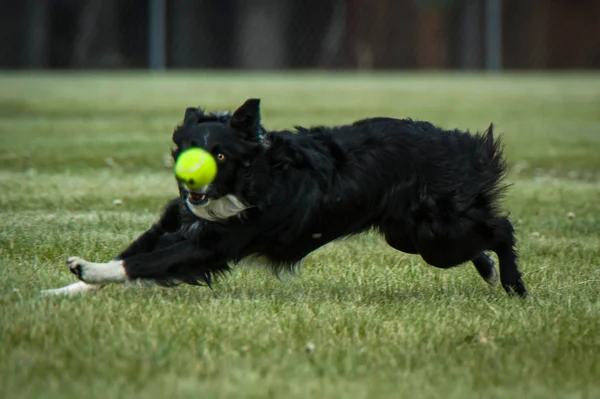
<point x="97" y="273"/>
<point x="72" y="289"/>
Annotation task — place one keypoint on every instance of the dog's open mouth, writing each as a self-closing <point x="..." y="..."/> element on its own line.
<point x="198" y="199"/>
<point x="202" y="197"/>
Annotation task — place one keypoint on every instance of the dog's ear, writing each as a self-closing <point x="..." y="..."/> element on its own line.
<point x="191" y="116"/>
<point x="247" y="118"/>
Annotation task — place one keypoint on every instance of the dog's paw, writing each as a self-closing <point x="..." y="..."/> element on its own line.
<point x="77" y="266"/>
<point x="516" y="289"/>
<point x="77" y="288"/>
<point x="97" y="273"/>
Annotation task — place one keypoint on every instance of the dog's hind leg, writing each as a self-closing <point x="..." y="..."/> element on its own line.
<point x="487" y="269"/>
<point x="398" y="239"/>
<point x="504" y="247"/>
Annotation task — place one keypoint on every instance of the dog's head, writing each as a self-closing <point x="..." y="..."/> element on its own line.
<point x="234" y="140"/>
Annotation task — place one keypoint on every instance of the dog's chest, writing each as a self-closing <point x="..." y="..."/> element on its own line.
<point x="191" y="229"/>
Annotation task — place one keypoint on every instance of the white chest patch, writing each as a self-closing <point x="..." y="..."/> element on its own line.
<point x="221" y="209"/>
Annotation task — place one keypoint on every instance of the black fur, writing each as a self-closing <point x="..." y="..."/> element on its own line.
<point x="429" y="191"/>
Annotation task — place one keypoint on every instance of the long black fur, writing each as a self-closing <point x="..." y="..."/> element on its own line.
<point x="429" y="191"/>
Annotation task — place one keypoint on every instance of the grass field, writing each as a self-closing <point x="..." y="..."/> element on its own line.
<point x="360" y="320"/>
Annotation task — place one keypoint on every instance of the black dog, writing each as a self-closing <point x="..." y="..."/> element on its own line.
<point x="281" y="195"/>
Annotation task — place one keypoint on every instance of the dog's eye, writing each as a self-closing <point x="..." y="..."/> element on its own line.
<point x="220" y="157"/>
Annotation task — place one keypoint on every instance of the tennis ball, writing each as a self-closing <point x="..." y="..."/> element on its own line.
<point x="196" y="168"/>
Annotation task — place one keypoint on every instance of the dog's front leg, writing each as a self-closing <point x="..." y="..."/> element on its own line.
<point x="183" y="261"/>
<point x="161" y="233"/>
<point x="164" y="229"/>
<point x="147" y="242"/>
<point x="73" y="289"/>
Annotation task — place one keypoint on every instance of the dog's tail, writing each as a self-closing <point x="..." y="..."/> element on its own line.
<point x="493" y="163"/>
<point x="494" y="150"/>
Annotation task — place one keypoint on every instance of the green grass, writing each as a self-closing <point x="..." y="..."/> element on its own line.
<point x="380" y="323"/>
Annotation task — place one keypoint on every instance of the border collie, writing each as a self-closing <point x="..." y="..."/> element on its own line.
<point x="280" y="195"/>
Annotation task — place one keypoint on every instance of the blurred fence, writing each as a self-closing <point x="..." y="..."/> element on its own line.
<point x="279" y="34"/>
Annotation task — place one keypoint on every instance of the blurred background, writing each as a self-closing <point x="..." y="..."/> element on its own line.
<point x="302" y="34"/>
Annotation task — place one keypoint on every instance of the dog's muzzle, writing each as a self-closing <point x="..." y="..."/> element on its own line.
<point x="202" y="196"/>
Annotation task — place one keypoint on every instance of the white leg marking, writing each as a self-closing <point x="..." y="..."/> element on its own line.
<point x="494" y="279"/>
<point x="73" y="289"/>
<point x="98" y="273"/>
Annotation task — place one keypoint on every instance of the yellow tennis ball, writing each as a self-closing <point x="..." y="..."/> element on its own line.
<point x="196" y="168"/>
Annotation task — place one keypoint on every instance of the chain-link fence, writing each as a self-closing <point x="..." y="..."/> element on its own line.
<point x="280" y="34"/>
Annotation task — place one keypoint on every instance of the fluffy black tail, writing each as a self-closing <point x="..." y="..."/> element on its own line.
<point x="493" y="165"/>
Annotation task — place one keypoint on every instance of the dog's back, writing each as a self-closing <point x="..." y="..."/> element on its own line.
<point x="413" y="164"/>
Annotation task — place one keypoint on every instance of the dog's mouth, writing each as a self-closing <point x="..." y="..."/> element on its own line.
<point x="198" y="199"/>
<point x="201" y="197"/>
